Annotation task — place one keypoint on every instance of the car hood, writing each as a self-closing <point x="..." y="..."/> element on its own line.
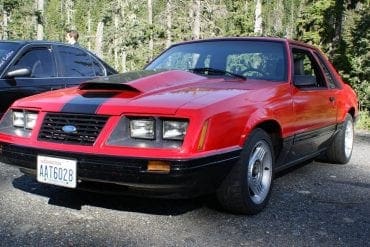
<point x="164" y="92"/>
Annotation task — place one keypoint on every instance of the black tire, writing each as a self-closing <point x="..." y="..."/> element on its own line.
<point x="246" y="189"/>
<point x="340" y="150"/>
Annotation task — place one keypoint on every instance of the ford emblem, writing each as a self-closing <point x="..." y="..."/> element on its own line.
<point x="69" y="129"/>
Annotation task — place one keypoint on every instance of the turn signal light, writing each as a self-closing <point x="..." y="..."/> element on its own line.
<point x="158" y="166"/>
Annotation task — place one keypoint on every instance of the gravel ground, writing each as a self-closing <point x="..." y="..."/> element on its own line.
<point x="313" y="205"/>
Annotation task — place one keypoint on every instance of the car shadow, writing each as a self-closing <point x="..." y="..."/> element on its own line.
<point x="291" y="169"/>
<point x="75" y="199"/>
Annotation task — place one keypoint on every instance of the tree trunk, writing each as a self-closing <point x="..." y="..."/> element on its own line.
<point x="168" y="24"/>
<point x="123" y="63"/>
<point x="99" y="39"/>
<point x="258" y="18"/>
<point x="39" y="18"/>
<point x="5" y="25"/>
<point x="150" y="22"/>
<point x="69" y="13"/>
<point x="290" y="25"/>
<point x="89" y="34"/>
<point x="278" y="18"/>
<point x="196" y="24"/>
<point x="115" y="39"/>
<point x="339" y="12"/>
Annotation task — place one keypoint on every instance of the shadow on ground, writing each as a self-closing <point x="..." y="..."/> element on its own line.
<point x="75" y="199"/>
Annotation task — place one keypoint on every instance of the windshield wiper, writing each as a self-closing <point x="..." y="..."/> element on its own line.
<point x="212" y="71"/>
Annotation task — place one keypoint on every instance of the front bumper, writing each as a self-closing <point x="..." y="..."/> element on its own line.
<point x="127" y="175"/>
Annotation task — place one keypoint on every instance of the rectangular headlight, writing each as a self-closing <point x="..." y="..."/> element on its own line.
<point x="18" y="119"/>
<point x="174" y="130"/>
<point x="24" y="119"/>
<point x="142" y="128"/>
<point x="31" y="118"/>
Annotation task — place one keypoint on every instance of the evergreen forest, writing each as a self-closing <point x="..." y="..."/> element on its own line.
<point x="129" y="33"/>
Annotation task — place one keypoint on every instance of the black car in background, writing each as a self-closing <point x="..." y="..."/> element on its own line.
<point x="31" y="67"/>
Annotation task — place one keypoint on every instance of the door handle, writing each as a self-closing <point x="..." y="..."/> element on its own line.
<point x="332" y="99"/>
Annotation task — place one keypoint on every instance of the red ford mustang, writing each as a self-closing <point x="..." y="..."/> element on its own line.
<point x="211" y="116"/>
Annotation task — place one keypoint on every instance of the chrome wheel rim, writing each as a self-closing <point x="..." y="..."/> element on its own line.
<point x="348" y="139"/>
<point x="259" y="172"/>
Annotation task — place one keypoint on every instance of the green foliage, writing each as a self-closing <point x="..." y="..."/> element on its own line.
<point x="340" y="28"/>
<point x="363" y="122"/>
<point x="54" y="22"/>
<point x="314" y="22"/>
<point x="239" y="18"/>
<point x="21" y="23"/>
<point x="359" y="56"/>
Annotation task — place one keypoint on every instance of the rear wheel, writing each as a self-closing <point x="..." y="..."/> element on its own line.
<point x="246" y="189"/>
<point x="340" y="150"/>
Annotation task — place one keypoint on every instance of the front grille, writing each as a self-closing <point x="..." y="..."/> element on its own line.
<point x="87" y="127"/>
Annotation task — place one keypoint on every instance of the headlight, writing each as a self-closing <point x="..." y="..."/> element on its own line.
<point x="18" y="119"/>
<point x="24" y="119"/>
<point x="31" y="119"/>
<point x="142" y="128"/>
<point x="174" y="130"/>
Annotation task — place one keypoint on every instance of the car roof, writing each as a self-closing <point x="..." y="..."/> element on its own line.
<point x="40" y="42"/>
<point x="254" y="38"/>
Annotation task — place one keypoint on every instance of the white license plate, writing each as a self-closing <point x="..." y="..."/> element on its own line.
<point x="57" y="171"/>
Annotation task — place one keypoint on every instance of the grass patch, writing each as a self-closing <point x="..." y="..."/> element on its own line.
<point x="363" y="122"/>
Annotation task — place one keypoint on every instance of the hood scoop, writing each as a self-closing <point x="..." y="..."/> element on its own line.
<point x="142" y="81"/>
<point x="118" y="81"/>
<point x="107" y="86"/>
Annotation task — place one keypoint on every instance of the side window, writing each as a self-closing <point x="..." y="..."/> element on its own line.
<point x="306" y="70"/>
<point x="39" y="60"/>
<point x="99" y="71"/>
<point x="75" y="62"/>
<point x="327" y="73"/>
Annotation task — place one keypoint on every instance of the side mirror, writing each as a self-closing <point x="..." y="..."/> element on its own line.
<point x="18" y="72"/>
<point x="304" y="80"/>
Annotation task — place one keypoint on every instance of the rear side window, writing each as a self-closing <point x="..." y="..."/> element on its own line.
<point x="326" y="71"/>
<point x="99" y="71"/>
<point x="39" y="60"/>
<point x="75" y="62"/>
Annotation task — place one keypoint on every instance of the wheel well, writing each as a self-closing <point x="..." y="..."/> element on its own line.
<point x="352" y="112"/>
<point x="273" y="129"/>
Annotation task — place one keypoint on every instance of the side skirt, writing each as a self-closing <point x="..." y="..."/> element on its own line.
<point x="305" y="146"/>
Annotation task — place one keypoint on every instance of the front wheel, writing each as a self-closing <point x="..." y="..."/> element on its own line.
<point x="246" y="189"/>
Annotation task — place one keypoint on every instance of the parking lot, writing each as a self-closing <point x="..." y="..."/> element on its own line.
<point x="315" y="204"/>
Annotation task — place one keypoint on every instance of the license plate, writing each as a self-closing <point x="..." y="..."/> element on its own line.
<point x="57" y="171"/>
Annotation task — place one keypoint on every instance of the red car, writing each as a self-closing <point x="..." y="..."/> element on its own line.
<point x="210" y="116"/>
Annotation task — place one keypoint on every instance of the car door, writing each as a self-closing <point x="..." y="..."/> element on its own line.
<point x="314" y="104"/>
<point x="39" y="60"/>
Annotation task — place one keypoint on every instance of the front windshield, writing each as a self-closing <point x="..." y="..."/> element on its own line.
<point x="7" y="51"/>
<point x="255" y="59"/>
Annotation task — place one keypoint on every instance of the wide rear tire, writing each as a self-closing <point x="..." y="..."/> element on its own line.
<point x="340" y="150"/>
<point x="247" y="188"/>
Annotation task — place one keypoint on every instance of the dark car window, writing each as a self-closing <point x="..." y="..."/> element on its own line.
<point x="99" y="71"/>
<point x="75" y="62"/>
<point x="306" y="70"/>
<point x="326" y="70"/>
<point x="253" y="59"/>
<point x="39" y="60"/>
<point x="7" y="51"/>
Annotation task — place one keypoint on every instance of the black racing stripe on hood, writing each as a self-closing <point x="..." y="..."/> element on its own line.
<point x="88" y="102"/>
